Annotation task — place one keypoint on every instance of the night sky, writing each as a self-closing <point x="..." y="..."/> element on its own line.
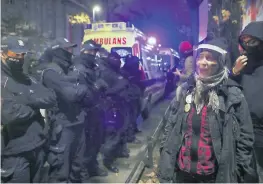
<point x="160" y="18"/>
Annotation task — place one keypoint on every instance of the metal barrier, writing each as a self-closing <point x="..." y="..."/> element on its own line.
<point x="145" y="157"/>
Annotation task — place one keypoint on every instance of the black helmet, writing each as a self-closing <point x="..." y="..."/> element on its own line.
<point x="128" y="57"/>
<point x="59" y="49"/>
<point x="131" y="64"/>
<point x="114" y="55"/>
<point x="131" y="58"/>
<point x="62" y="43"/>
<point x="90" y="45"/>
<point x="135" y="59"/>
<point x="103" y="53"/>
<point x="14" y="44"/>
<point x="114" y="60"/>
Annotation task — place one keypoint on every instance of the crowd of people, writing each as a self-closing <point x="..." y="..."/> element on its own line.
<point x="214" y="125"/>
<point x="90" y="105"/>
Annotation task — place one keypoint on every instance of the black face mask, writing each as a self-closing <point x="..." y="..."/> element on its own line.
<point x="62" y="63"/>
<point x="88" y="60"/>
<point x="88" y="56"/>
<point x="62" y="58"/>
<point x="255" y="52"/>
<point x="255" y="58"/>
<point x="115" y="64"/>
<point x="15" y="64"/>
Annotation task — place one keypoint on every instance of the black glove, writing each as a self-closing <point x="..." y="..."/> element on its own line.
<point x="100" y="85"/>
<point x="89" y="100"/>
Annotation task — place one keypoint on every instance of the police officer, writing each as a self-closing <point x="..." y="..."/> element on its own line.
<point x="23" y="128"/>
<point x="114" y="139"/>
<point x="67" y="136"/>
<point x="131" y="71"/>
<point x="85" y="64"/>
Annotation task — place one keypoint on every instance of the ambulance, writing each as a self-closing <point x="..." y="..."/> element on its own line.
<point x="170" y="61"/>
<point x="170" y="58"/>
<point x="124" y="38"/>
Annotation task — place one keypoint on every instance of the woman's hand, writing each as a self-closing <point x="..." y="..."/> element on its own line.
<point x="177" y="72"/>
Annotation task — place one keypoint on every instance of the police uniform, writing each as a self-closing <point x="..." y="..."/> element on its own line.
<point x="24" y="131"/>
<point x="67" y="136"/>
<point x="85" y="64"/>
<point x="116" y="113"/>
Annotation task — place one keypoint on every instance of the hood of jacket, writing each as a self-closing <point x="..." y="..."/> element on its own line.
<point x="254" y="29"/>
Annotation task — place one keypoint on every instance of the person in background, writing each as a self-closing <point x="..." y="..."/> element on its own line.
<point x="248" y="71"/>
<point x="186" y="66"/>
<point x="208" y="135"/>
<point x="131" y="72"/>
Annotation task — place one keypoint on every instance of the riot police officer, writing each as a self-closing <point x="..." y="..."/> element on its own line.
<point x="67" y="136"/>
<point x="22" y="126"/>
<point x="85" y="64"/>
<point x="115" y="141"/>
<point x="131" y="71"/>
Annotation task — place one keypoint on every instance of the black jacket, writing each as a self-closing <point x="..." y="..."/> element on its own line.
<point x="136" y="88"/>
<point x="231" y="131"/>
<point x="117" y="84"/>
<point x="252" y="84"/>
<point x="70" y="94"/>
<point x="85" y="67"/>
<point x="22" y="98"/>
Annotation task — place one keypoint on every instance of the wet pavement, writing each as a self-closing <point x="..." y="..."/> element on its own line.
<point x="149" y="175"/>
<point x="147" y="127"/>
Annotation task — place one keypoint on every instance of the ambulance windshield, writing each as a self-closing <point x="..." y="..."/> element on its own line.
<point x="122" y="51"/>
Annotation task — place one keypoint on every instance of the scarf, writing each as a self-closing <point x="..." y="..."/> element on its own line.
<point x="206" y="86"/>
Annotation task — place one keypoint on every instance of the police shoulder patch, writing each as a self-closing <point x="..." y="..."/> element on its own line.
<point x="20" y="43"/>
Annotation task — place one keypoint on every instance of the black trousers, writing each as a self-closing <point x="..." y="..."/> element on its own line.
<point x="112" y="146"/>
<point x="184" y="177"/>
<point x="116" y="139"/>
<point x="94" y="132"/>
<point x="24" y="167"/>
<point x="133" y="115"/>
<point x="66" y="155"/>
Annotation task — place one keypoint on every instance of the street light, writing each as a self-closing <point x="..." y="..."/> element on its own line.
<point x="95" y="9"/>
<point x="152" y="40"/>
